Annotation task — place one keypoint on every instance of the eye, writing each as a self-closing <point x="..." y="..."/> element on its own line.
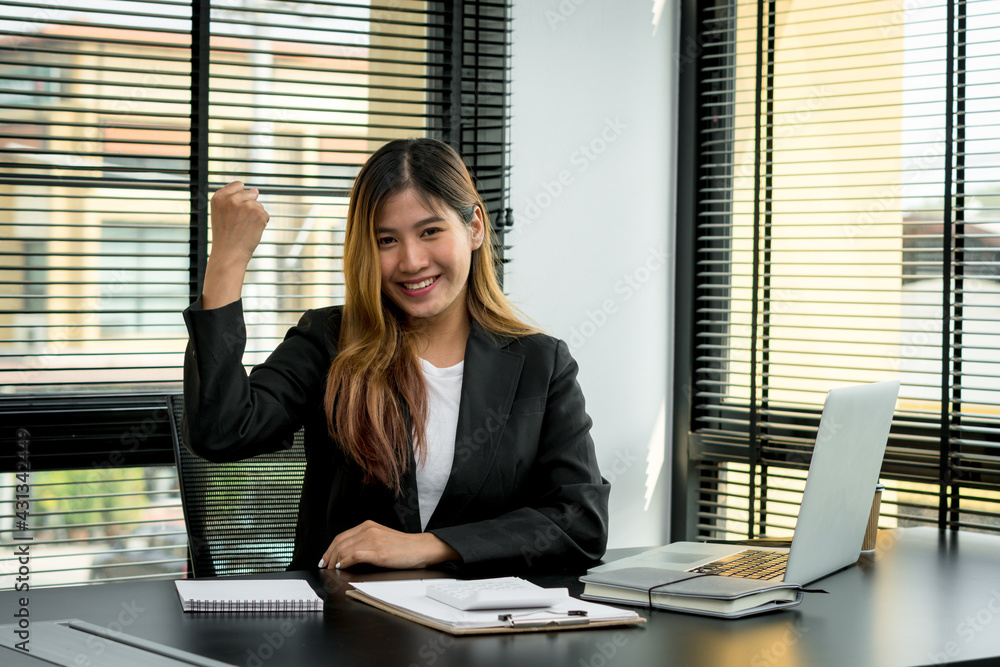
<point x="431" y="231"/>
<point x="385" y="240"/>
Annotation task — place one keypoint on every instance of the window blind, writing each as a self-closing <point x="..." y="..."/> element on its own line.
<point x="119" y="120"/>
<point x="95" y="136"/>
<point x="843" y="229"/>
<point x="101" y="524"/>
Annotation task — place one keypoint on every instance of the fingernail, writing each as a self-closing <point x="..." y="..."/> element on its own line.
<point x="322" y="563"/>
<point x="337" y="565"/>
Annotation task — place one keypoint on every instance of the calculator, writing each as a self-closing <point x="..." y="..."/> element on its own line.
<point x="499" y="593"/>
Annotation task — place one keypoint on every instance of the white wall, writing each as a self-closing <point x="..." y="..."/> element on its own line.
<point x="593" y="135"/>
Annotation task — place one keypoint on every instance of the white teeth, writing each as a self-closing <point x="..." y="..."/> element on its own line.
<point x="415" y="286"/>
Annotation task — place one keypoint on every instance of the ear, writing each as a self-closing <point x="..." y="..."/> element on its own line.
<point x="477" y="228"/>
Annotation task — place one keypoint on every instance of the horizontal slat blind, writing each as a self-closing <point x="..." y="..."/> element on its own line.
<point x="117" y="122"/>
<point x="298" y="99"/>
<point x="848" y="232"/>
<point x="82" y="431"/>
<point x="104" y="128"/>
<point x="95" y="145"/>
<point x="484" y="118"/>
<point x="101" y="524"/>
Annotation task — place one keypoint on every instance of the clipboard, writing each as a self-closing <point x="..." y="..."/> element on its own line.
<point x="406" y="599"/>
<point x="543" y="618"/>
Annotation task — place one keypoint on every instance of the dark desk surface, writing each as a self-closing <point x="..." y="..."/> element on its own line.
<point x="923" y="599"/>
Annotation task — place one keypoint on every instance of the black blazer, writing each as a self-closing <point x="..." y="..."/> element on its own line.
<point x="524" y="491"/>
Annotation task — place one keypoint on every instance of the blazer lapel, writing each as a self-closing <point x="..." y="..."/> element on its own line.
<point x="407" y="505"/>
<point x="491" y="376"/>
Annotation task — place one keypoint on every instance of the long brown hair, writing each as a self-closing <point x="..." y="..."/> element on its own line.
<point x="375" y="393"/>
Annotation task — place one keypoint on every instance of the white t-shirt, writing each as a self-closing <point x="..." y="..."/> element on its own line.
<point x="444" y="393"/>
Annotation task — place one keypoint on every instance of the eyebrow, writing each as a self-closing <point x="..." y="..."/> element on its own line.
<point x="419" y="223"/>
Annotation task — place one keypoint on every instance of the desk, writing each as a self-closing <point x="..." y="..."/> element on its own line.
<point x="922" y="599"/>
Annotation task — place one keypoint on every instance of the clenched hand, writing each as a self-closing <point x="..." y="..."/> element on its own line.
<point x="238" y="221"/>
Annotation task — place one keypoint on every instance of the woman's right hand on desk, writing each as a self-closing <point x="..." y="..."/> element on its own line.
<point x="238" y="221"/>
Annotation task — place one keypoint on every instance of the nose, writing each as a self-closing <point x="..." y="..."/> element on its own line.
<point x="412" y="257"/>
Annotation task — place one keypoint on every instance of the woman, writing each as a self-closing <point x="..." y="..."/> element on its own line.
<point x="438" y="427"/>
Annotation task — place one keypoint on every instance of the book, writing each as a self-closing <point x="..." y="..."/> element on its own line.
<point x="247" y="595"/>
<point x="408" y="599"/>
<point x="710" y="595"/>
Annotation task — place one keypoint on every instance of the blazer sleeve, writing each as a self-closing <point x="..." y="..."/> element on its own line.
<point x="563" y="520"/>
<point x="229" y="416"/>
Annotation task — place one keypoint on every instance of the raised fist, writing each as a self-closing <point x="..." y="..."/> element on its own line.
<point x="238" y="221"/>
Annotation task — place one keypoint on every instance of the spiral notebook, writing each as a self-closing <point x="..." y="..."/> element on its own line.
<point x="247" y="595"/>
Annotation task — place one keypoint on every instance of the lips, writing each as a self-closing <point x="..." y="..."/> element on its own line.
<point x="418" y="288"/>
<point x="413" y="287"/>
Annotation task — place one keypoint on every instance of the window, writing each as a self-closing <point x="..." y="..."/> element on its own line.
<point x="116" y="125"/>
<point x="843" y="229"/>
<point x="145" y="267"/>
<point x="30" y="79"/>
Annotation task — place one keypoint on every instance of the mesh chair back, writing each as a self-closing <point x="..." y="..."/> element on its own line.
<point x="240" y="516"/>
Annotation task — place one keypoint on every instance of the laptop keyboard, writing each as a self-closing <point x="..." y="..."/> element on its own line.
<point x="749" y="564"/>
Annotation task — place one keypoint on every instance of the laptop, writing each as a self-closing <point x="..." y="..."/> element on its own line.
<point x="836" y="502"/>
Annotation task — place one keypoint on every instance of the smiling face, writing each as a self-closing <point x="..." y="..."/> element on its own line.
<point x="425" y="256"/>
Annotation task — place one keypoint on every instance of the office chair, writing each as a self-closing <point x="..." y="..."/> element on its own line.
<point x="240" y="516"/>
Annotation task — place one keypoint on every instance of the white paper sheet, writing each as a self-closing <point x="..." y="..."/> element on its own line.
<point x="410" y="595"/>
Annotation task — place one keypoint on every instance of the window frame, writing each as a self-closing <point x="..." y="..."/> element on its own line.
<point x="108" y="432"/>
<point x="693" y="492"/>
<point x="469" y="108"/>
